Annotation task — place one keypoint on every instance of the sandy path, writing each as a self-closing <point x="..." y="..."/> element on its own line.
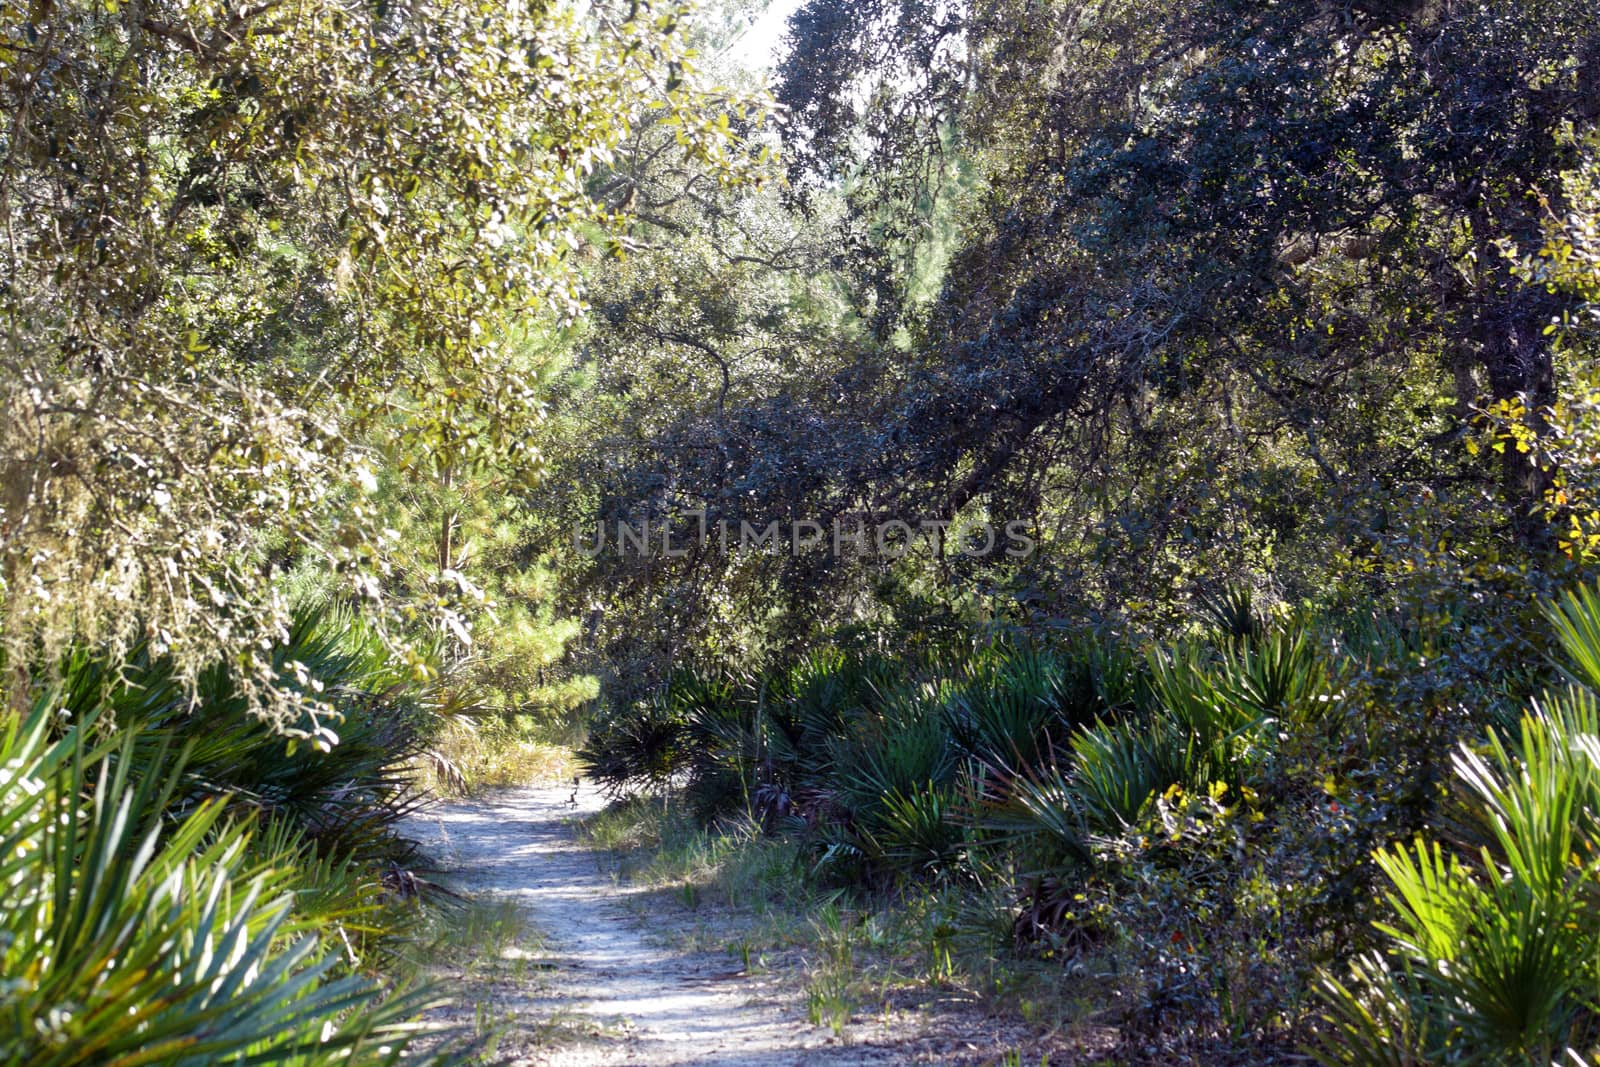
<point x="648" y="1004"/>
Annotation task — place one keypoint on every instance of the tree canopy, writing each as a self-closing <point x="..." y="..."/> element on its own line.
<point x="252" y="251"/>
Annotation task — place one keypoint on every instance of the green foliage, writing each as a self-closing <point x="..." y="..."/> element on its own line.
<point x="191" y="886"/>
<point x="1222" y="734"/>
<point x="1007" y="708"/>
<point x="1491" y="957"/>
<point x="1576" y="620"/>
<point x="1195" y="818"/>
<point x="896" y="748"/>
<point x="133" y="936"/>
<point x="1491" y="950"/>
<point x="1118" y="766"/>
<point x="1219" y="315"/>
<point x="1233" y="612"/>
<point x="1046" y="808"/>
<point x="256" y="254"/>
<point x="1194" y="292"/>
<point x="342" y="792"/>
<point x="918" y="833"/>
<point x="816" y="699"/>
<point x="636" y="747"/>
<point x="1180" y="335"/>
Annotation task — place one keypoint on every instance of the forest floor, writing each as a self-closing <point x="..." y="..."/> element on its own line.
<point x="568" y="965"/>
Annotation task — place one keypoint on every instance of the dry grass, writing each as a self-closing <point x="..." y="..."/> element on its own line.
<point x="489" y="753"/>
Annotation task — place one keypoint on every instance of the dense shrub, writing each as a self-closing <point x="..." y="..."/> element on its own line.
<point x="1492" y="943"/>
<point x="136" y="934"/>
<point x="341" y="793"/>
<point x="185" y="884"/>
<point x="1209" y="820"/>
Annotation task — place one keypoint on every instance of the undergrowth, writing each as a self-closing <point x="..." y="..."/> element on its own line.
<point x="1203" y="843"/>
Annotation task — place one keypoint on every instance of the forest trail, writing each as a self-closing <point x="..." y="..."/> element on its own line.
<point x="610" y="991"/>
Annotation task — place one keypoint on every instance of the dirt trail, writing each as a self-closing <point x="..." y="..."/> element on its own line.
<point x="634" y="999"/>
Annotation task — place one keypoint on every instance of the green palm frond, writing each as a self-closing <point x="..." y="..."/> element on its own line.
<point x="1493" y="957"/>
<point x="129" y="938"/>
<point x="1576" y="620"/>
